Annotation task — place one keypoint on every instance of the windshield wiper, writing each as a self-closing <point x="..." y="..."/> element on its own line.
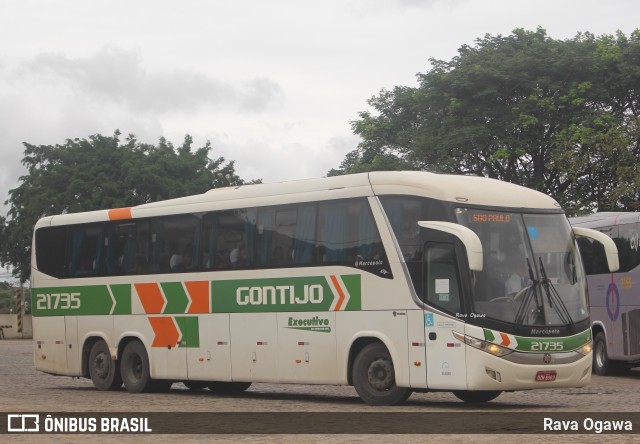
<point x="526" y="299"/>
<point x="554" y="296"/>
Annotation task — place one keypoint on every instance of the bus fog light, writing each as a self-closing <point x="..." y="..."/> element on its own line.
<point x="494" y="374"/>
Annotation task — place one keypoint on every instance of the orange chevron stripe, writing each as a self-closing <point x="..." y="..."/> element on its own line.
<point x="151" y="297"/>
<point x="199" y="293"/>
<point x="340" y="293"/>
<point x="505" y="339"/>
<point x="166" y="333"/>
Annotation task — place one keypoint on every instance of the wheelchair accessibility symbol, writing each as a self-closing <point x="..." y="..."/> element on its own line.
<point x="613" y="301"/>
<point x="428" y="320"/>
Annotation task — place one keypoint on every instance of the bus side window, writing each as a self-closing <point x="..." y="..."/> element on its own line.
<point x="52" y="253"/>
<point x="628" y="247"/>
<point x="230" y="238"/>
<point x="86" y="250"/>
<point x="347" y="233"/>
<point x="442" y="283"/>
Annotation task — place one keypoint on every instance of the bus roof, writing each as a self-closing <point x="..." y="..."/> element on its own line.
<point x="606" y="219"/>
<point x="471" y="190"/>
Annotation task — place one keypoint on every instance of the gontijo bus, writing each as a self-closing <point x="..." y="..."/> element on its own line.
<point x="614" y="297"/>
<point x="392" y="282"/>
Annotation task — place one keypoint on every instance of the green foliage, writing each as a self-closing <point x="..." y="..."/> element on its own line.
<point x="7" y="298"/>
<point x="559" y="116"/>
<point x="101" y="173"/>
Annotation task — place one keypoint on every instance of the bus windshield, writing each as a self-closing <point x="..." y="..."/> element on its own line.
<point x="531" y="275"/>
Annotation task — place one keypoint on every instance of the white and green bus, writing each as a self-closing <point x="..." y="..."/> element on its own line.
<point x="392" y="282"/>
<point x="614" y="297"/>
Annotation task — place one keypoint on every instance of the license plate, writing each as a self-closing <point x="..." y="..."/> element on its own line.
<point x="545" y="376"/>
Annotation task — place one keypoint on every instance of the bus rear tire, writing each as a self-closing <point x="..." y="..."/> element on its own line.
<point x="228" y="387"/>
<point x="374" y="377"/>
<point x="134" y="368"/>
<point x="104" y="371"/>
<point x="477" y="396"/>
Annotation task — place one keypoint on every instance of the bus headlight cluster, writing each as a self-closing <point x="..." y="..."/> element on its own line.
<point x="480" y="344"/>
<point x="585" y="349"/>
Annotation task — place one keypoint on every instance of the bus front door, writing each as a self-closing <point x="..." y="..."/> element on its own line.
<point x="443" y="314"/>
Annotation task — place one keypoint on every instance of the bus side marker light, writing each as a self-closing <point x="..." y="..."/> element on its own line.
<point x="417" y="363"/>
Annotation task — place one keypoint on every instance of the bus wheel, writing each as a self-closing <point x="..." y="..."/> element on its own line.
<point x="602" y="365"/>
<point x="228" y="387"/>
<point x="477" y="396"/>
<point x="195" y="385"/>
<point x="103" y="370"/>
<point x="374" y="377"/>
<point x="134" y="368"/>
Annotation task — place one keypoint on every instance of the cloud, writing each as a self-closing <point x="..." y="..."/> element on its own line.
<point x="374" y="8"/>
<point x="118" y="76"/>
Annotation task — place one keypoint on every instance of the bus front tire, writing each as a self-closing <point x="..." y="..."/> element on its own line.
<point x="374" y="377"/>
<point x="602" y="365"/>
<point x="477" y="396"/>
<point x="135" y="368"/>
<point x="103" y="370"/>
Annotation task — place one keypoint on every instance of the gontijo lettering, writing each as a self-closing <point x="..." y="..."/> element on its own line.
<point x="279" y="295"/>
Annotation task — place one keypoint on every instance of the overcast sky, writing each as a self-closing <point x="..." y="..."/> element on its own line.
<point x="272" y="84"/>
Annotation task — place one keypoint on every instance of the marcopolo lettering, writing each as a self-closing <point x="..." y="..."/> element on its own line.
<point x="279" y="295"/>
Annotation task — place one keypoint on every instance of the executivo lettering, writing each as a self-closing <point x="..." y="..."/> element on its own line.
<point x="315" y="323"/>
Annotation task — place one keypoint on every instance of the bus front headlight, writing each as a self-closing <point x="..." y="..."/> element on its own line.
<point x="585" y="349"/>
<point x="483" y="345"/>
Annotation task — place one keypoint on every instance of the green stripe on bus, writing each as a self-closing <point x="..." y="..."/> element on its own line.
<point x="488" y="335"/>
<point x="81" y="300"/>
<point x="535" y="345"/>
<point x="189" y="328"/>
<point x="177" y="299"/>
<point x="288" y="294"/>
<point x="122" y="295"/>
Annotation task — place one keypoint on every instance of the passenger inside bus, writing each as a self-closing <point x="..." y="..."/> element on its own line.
<point x="518" y="279"/>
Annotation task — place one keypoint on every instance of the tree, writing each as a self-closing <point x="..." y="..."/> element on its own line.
<point x="101" y="173"/>
<point x="557" y="116"/>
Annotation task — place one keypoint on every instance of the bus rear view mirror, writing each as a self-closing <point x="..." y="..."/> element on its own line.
<point x="610" y="249"/>
<point x="469" y="239"/>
